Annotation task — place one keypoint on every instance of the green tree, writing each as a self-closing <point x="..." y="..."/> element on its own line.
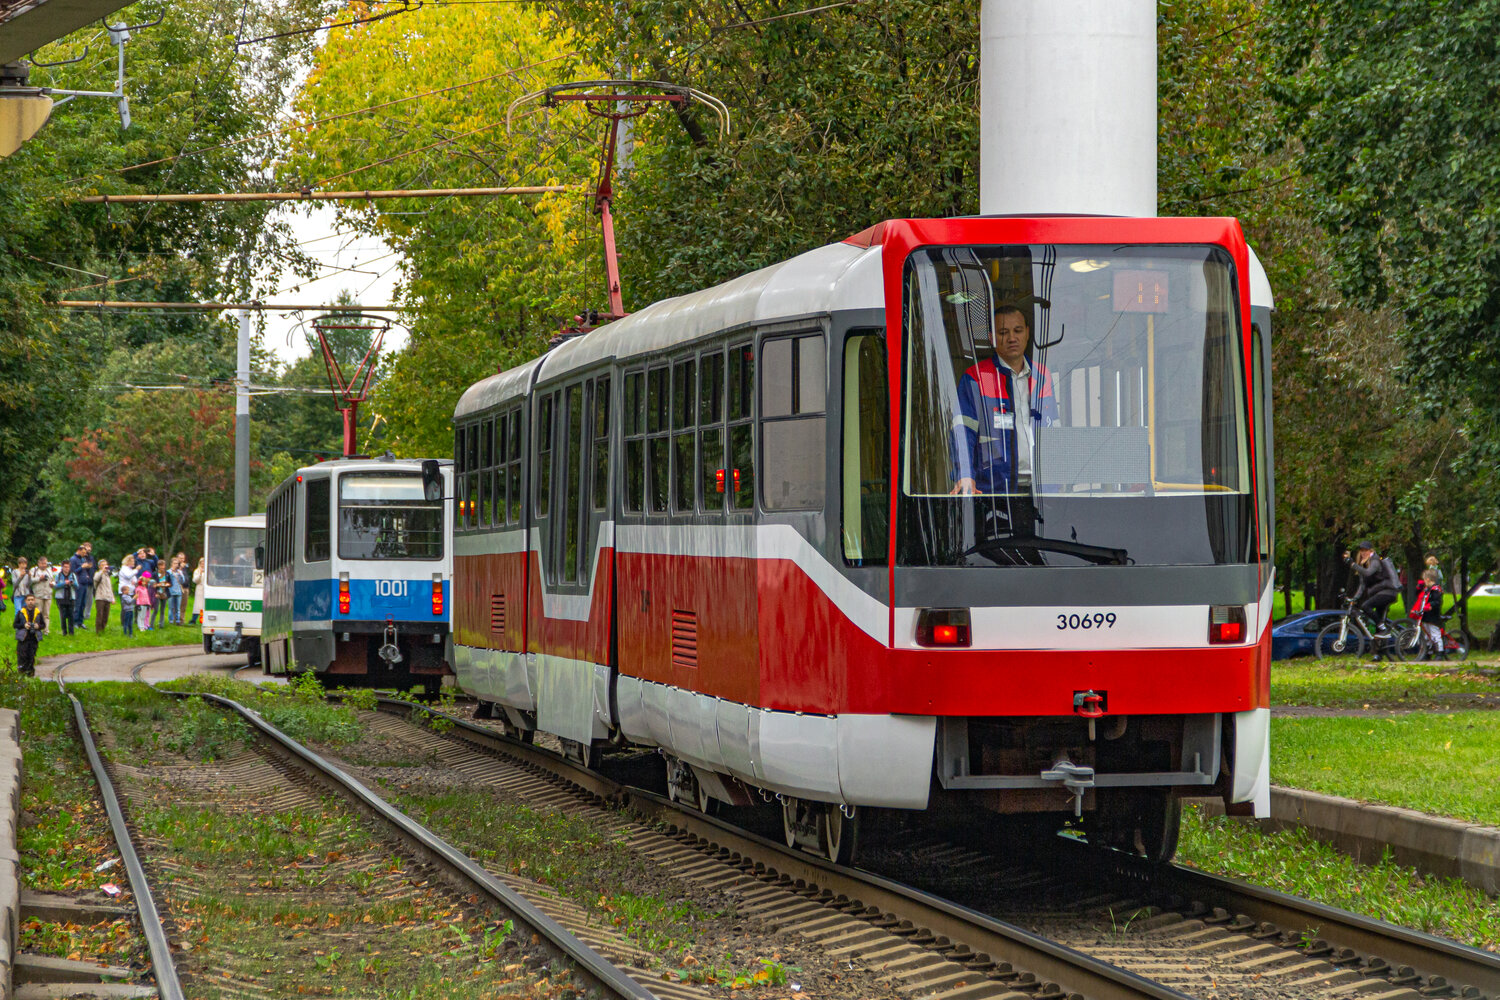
<point x="162" y="455"/>
<point x="486" y="278"/>
<point x="192" y="92"/>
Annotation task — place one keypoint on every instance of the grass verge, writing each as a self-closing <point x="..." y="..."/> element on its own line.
<point x="1293" y="862"/>
<point x="1330" y="684"/>
<point x="1418" y="760"/>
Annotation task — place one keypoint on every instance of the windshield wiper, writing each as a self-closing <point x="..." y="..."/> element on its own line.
<point x="1009" y="551"/>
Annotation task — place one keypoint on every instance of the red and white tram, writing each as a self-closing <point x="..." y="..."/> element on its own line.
<point x="800" y="532"/>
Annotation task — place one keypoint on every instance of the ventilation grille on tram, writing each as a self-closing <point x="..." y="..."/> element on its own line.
<point x="497" y="613"/>
<point x="684" y="639"/>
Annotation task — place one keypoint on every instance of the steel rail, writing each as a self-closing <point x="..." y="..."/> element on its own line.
<point x="1073" y="970"/>
<point x="163" y="969"/>
<point x="1442" y="962"/>
<point x="560" y="943"/>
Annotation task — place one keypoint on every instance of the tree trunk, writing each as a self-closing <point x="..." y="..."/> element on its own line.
<point x="1333" y="575"/>
<point x="1415" y="556"/>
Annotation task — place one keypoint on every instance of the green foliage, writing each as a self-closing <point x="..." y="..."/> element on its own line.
<point x="1422" y="761"/>
<point x="493" y="276"/>
<point x="208" y="733"/>
<point x="297" y="709"/>
<point x="359" y="699"/>
<point x="191" y="91"/>
<point x="1379" y="97"/>
<point x="1291" y="861"/>
<point x="840" y="118"/>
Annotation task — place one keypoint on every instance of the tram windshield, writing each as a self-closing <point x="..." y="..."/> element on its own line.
<point x="1074" y="405"/>
<point x="231" y="556"/>
<point x="385" y="515"/>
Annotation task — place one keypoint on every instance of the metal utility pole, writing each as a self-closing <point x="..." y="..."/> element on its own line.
<point x="1067" y="107"/>
<point x="242" y="419"/>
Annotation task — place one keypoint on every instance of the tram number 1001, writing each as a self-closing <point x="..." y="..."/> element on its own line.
<point x="1095" y="620"/>
<point x="390" y="588"/>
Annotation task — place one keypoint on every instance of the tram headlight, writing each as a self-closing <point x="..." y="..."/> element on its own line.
<point x="343" y="593"/>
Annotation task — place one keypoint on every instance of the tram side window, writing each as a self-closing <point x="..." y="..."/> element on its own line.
<point x="471" y="476"/>
<point x="793" y="424"/>
<point x="572" y="485"/>
<point x="866" y="457"/>
<point x="513" y="490"/>
<point x="601" y="442"/>
<point x="316" y="539"/>
<point x="544" y="456"/>
<point x="659" y="468"/>
<point x="486" y="492"/>
<point x="712" y="475"/>
<point x="741" y="472"/>
<point x="495" y="474"/>
<point x="684" y="438"/>
<point x="634" y="480"/>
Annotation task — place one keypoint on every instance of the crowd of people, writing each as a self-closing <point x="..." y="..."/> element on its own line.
<point x="63" y="597"/>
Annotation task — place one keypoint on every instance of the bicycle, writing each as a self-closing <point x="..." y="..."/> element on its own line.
<point x="1351" y="633"/>
<point x="1414" y="643"/>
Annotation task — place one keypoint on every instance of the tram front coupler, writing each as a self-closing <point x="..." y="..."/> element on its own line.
<point x="388" y="650"/>
<point x="1076" y="778"/>
<point x="225" y="641"/>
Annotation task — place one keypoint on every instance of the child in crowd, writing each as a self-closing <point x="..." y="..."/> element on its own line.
<point x="143" y="602"/>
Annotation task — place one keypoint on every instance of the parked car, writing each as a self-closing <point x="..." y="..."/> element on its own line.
<point x="1486" y="590"/>
<point x="1296" y="634"/>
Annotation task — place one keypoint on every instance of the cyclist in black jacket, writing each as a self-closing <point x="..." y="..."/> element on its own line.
<point x="1379" y="585"/>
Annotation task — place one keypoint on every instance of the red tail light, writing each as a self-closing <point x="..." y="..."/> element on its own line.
<point x="943" y="627"/>
<point x="1226" y="624"/>
<point x="719" y="480"/>
<point x="343" y="593"/>
<point x="437" y="594"/>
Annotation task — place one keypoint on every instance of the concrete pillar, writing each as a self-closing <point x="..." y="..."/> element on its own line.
<point x="1067" y="93"/>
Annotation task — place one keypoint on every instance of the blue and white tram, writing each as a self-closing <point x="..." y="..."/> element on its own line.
<point x="357" y="573"/>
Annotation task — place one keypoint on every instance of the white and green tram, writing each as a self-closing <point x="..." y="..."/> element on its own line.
<point x="230" y="593"/>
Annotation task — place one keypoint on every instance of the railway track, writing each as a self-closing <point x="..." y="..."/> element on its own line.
<point x="1100" y="926"/>
<point x="272" y="772"/>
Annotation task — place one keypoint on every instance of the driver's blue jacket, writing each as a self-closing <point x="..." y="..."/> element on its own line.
<point x="983" y="442"/>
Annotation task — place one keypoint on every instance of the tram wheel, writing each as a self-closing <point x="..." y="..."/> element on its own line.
<point x="1145" y="822"/>
<point x="707" y="804"/>
<point x="789" y="820"/>
<point x="840" y="833"/>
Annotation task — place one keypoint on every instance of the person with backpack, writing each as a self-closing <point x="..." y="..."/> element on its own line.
<point x="1379" y="585"/>
<point x="64" y="592"/>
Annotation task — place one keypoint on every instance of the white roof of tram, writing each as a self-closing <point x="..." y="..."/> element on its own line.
<point x="830" y="278"/>
<point x="820" y="281"/>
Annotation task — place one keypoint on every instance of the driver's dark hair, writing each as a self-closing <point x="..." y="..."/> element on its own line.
<point x="1012" y="307"/>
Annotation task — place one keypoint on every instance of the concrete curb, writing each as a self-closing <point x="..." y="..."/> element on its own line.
<point x="10" y="815"/>
<point x="1435" y="845"/>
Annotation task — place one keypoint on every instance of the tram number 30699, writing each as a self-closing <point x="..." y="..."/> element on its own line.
<point x="390" y="588"/>
<point x="1096" y="620"/>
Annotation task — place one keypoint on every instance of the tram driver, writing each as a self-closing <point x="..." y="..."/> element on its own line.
<point x="1002" y="401"/>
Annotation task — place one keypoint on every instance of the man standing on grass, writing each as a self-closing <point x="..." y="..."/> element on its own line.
<point x="82" y="564"/>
